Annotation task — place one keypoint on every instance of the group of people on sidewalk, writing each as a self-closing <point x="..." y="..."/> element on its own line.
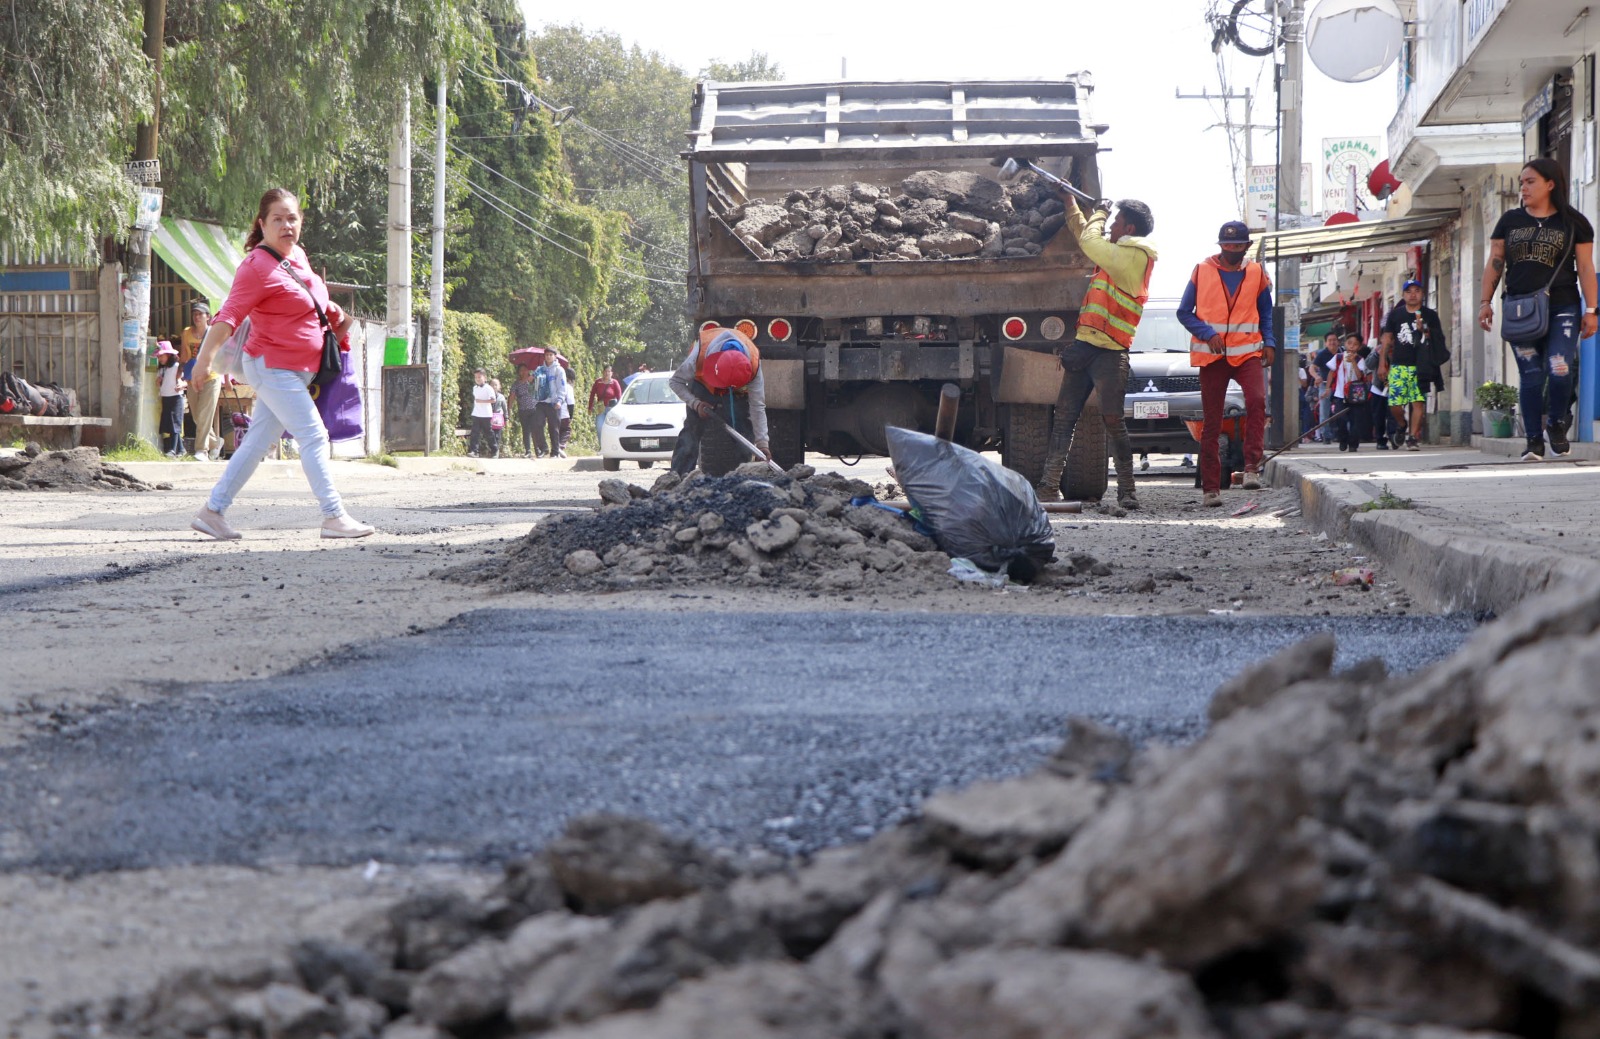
<point x="1544" y="249"/>
<point x="545" y="402"/>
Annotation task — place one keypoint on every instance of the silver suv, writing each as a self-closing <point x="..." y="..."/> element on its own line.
<point x="1162" y="410"/>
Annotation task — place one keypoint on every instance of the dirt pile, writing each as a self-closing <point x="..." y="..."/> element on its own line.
<point x="1344" y="856"/>
<point x="749" y="527"/>
<point x="34" y="469"/>
<point x="934" y="215"/>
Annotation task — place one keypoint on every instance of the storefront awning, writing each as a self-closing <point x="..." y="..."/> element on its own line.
<point x="204" y="255"/>
<point x="1344" y="238"/>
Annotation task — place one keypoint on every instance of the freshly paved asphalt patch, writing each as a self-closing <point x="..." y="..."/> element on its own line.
<point x="477" y="741"/>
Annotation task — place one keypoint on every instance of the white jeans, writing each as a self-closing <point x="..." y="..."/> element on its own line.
<point x="282" y="402"/>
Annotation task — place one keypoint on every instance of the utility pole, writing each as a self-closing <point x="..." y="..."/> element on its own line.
<point x="398" y="318"/>
<point x="436" y="277"/>
<point x="136" y="299"/>
<point x="1227" y="122"/>
<point x="1289" y="86"/>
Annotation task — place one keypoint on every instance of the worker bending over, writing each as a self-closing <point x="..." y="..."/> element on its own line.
<point x="720" y="377"/>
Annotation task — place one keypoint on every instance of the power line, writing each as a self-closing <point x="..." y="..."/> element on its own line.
<point x="545" y="225"/>
<point x="549" y="241"/>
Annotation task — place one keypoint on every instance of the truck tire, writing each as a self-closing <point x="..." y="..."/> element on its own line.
<point x="1084" y="478"/>
<point x="720" y="454"/>
<point x="787" y="430"/>
<point x="1026" y="439"/>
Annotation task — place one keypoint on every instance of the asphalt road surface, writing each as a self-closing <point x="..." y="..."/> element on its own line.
<point x="476" y="742"/>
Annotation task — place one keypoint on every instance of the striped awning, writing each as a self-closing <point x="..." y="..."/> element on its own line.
<point x="204" y="255"/>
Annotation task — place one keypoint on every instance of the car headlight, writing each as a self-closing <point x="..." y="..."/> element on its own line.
<point x="613" y="419"/>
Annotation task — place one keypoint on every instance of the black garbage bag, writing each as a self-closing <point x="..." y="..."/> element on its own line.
<point x="978" y="510"/>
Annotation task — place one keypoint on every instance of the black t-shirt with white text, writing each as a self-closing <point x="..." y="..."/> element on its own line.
<point x="1410" y="332"/>
<point x="1535" y="245"/>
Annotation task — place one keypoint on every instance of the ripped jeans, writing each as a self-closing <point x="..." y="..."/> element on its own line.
<point x="1549" y="369"/>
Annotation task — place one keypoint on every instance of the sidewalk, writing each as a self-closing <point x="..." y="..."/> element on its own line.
<point x="1485" y="530"/>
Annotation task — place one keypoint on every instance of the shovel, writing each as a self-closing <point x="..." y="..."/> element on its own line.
<point x="1011" y="167"/>
<point x="753" y="449"/>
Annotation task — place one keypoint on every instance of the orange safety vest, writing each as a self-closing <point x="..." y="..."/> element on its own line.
<point x="1233" y="316"/>
<point x="716" y="340"/>
<point x="1112" y="311"/>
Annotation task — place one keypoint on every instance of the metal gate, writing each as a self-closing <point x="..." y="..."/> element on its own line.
<point x="50" y="329"/>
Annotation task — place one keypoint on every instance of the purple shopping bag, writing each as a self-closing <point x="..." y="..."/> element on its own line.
<point x="339" y="403"/>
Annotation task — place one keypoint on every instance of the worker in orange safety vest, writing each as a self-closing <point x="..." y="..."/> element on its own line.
<point x="1096" y="361"/>
<point x="1227" y="308"/>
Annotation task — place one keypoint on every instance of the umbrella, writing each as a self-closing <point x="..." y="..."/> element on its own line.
<point x="529" y="356"/>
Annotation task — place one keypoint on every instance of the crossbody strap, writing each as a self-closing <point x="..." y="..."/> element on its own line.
<point x="288" y="269"/>
<point x="1572" y="239"/>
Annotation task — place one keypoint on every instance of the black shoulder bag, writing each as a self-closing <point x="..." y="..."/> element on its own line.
<point x="1527" y="316"/>
<point x="332" y="365"/>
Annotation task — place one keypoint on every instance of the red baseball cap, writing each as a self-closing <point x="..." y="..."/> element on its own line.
<point x="728" y="369"/>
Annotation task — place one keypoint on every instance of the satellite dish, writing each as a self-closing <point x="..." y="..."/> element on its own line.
<point x="1353" y="40"/>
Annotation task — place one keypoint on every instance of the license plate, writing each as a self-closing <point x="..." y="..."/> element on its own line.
<point x="655" y="445"/>
<point x="1149" y="409"/>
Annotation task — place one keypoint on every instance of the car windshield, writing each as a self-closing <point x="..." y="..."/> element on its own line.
<point x="1160" y="332"/>
<point x="649" y="391"/>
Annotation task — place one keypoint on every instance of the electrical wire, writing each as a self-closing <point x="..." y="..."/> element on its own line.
<point x="546" y="226"/>
<point x="550" y="241"/>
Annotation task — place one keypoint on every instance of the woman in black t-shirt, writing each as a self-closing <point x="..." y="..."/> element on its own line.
<point x="1545" y="236"/>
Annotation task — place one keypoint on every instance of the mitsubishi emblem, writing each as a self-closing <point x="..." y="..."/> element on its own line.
<point x="1150" y="387"/>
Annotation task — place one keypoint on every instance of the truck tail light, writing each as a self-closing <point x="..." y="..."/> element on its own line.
<point x="1052" y="328"/>
<point x="1013" y="328"/>
<point x="709" y="326"/>
<point x="779" y="330"/>
<point x="746" y="328"/>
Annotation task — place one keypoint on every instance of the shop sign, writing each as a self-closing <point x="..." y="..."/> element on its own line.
<point x="1539" y="105"/>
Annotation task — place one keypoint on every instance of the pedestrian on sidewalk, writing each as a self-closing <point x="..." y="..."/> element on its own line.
<point x="569" y="404"/>
<point x="497" y="419"/>
<point x="1331" y="347"/>
<point x="172" y="387"/>
<point x="1227" y="308"/>
<point x="1382" y="423"/>
<point x="1349" y="388"/>
<point x="527" y="414"/>
<point x="1096" y="361"/>
<point x="548" y="390"/>
<point x="482" y="415"/>
<point x="202" y="397"/>
<point x="276" y="287"/>
<point x="605" y="391"/>
<point x="1309" y="384"/>
<point x="1545" y="244"/>
<point x="1412" y="335"/>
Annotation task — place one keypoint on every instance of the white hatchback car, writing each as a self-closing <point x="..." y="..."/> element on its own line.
<point x="645" y="424"/>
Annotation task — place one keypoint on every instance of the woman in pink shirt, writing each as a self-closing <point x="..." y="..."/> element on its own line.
<point x="280" y="360"/>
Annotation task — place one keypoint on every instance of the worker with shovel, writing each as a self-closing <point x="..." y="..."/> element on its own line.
<point x="720" y="381"/>
<point x="1096" y="361"/>
<point x="1227" y="308"/>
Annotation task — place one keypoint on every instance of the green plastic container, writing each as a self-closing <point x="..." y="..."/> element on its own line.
<point x="1497" y="424"/>
<point x="396" y="350"/>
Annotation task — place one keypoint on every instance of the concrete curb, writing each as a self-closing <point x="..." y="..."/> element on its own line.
<point x="1431" y="554"/>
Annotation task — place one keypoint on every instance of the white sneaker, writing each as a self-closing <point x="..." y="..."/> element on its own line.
<point x="345" y="526"/>
<point x="213" y="525"/>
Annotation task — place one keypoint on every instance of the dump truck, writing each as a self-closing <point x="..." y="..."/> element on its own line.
<point x="802" y="195"/>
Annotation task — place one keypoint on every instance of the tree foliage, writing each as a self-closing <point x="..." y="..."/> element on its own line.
<point x="73" y="84"/>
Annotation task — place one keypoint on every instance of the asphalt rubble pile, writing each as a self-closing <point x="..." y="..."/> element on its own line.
<point x="77" y="469"/>
<point x="934" y="215"/>
<point x="1343" y="856"/>
<point x="752" y="527"/>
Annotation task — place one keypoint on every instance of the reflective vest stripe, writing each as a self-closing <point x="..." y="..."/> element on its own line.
<point x="1243" y="327"/>
<point x="1110" y="310"/>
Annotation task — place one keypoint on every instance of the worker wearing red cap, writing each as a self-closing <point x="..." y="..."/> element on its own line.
<point x="720" y="381"/>
<point x="1227" y="308"/>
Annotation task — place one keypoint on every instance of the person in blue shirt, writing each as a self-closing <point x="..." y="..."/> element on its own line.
<point x="1227" y="308"/>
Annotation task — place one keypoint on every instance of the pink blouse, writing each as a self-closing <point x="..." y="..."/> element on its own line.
<point x="283" y="324"/>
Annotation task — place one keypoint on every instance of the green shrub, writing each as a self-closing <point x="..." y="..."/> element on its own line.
<point x="1495" y="396"/>
<point x="134" y="449"/>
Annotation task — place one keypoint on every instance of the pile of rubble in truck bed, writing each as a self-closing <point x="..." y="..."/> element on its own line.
<point x="934" y="215"/>
<point x="1345" y="856"/>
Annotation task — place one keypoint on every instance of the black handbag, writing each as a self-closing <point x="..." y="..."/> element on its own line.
<point x="331" y="366"/>
<point x="1527" y="316"/>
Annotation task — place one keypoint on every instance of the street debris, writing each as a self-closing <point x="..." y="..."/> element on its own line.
<point x="798" y="530"/>
<point x="1345" y="855"/>
<point x="1349" y="575"/>
<point x="76" y="469"/>
<point x="934" y="215"/>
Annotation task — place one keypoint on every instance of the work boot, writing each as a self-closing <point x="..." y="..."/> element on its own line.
<point x="1126" y="497"/>
<point x="1252" y="480"/>
<point x="1559" y="444"/>
<point x="1535" y="450"/>
<point x="1211" y="500"/>
<point x="1049" y="486"/>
